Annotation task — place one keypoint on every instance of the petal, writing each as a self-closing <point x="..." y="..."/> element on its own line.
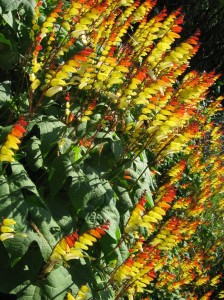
<point x="16" y="133"/>
<point x="18" y="127"/>
<point x="4" y="157"/>
<point x="53" y="90"/>
<point x="12" y="138"/>
<point x="6" y="229"/>
<point x="35" y="84"/>
<point x="6" y="151"/>
<point x="57" y="82"/>
<point x="5" y="236"/>
<point x="8" y="222"/>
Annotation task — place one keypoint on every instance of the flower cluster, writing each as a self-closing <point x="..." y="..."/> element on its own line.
<point x="13" y="140"/>
<point x="72" y="246"/>
<point x="6" y="229"/>
<point x="140" y="217"/>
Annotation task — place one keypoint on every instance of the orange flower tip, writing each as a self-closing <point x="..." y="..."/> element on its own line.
<point x="19" y="128"/>
<point x="16" y="133"/>
<point x="100" y="230"/>
<point x="127" y="177"/>
<point x="95" y="233"/>
<point x="71" y="117"/>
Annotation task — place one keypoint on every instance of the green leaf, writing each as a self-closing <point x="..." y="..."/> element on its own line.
<point x="21" y="178"/>
<point x="19" y="245"/>
<point x="5" y="40"/>
<point x="12" y="201"/>
<point x="51" y="130"/>
<point x="57" y="284"/>
<point x="88" y="192"/>
<point x="77" y="152"/>
<point x="64" y="145"/>
<point x="27" y="267"/>
<point x="10" y="19"/>
<point x="110" y="212"/>
<point x="144" y="180"/>
<point x="117" y="148"/>
<point x="42" y="241"/>
<point x="8" y="57"/>
<point x="33" y="153"/>
<point x="84" y="277"/>
<point x="108" y="294"/>
<point x="122" y="253"/>
<point x="5" y="92"/>
<point x="47" y="227"/>
<point x="27" y="291"/>
<point x="61" y="213"/>
<point x="124" y="202"/>
<point x="81" y="130"/>
<point x="9" y="5"/>
<point x="60" y="169"/>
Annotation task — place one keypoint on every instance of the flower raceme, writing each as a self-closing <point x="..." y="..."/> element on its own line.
<point x="140" y="217"/>
<point x="72" y="246"/>
<point x="13" y="140"/>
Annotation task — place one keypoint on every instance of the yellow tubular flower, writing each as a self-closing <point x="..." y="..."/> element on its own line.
<point x="6" y="229"/>
<point x="8" y="222"/>
<point x="12" y="145"/>
<point x="6" y="157"/>
<point x="70" y="297"/>
<point x="57" y="82"/>
<point x="35" y="84"/>
<point x="6" y="236"/>
<point x="53" y="90"/>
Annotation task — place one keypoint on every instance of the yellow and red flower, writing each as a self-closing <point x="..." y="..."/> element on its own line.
<point x="13" y="140"/>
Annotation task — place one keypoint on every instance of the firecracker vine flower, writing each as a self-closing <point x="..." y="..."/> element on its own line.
<point x="13" y="140"/>
<point x="82" y="294"/>
<point x="73" y="245"/>
<point x="7" y="229"/>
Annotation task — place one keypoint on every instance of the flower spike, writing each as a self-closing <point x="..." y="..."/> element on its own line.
<point x="13" y="140"/>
